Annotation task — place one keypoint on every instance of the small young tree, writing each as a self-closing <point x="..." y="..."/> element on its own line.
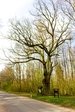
<point x="7" y="78"/>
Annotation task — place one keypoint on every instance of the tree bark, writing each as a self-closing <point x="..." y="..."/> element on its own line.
<point x="47" y="76"/>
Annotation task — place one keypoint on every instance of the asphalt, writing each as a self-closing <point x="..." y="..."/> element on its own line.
<point x="13" y="103"/>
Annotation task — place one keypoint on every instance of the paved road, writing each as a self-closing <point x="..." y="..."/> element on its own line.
<point x="13" y="103"/>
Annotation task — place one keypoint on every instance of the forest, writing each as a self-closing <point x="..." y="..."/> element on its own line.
<point x="42" y="52"/>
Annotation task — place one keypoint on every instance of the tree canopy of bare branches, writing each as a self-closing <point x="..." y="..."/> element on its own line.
<point x="39" y="41"/>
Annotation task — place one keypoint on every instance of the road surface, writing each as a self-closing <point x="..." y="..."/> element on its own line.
<point x="13" y="103"/>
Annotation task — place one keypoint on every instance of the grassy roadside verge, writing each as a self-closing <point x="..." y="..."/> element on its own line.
<point x="65" y="101"/>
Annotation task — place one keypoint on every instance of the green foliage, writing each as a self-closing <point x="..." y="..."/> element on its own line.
<point x="59" y="76"/>
<point x="6" y="78"/>
<point x="33" y="80"/>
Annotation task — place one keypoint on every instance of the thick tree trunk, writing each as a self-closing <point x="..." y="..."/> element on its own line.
<point x="47" y="77"/>
<point x="46" y="86"/>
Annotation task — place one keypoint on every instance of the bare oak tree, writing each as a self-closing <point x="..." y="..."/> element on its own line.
<point x="40" y="41"/>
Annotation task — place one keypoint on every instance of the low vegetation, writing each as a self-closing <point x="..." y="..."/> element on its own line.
<point x="66" y="101"/>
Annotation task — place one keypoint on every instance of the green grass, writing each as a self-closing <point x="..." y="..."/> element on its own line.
<point x="66" y="101"/>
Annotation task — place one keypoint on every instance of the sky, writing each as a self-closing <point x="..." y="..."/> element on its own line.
<point x="11" y="9"/>
<point x="14" y="8"/>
